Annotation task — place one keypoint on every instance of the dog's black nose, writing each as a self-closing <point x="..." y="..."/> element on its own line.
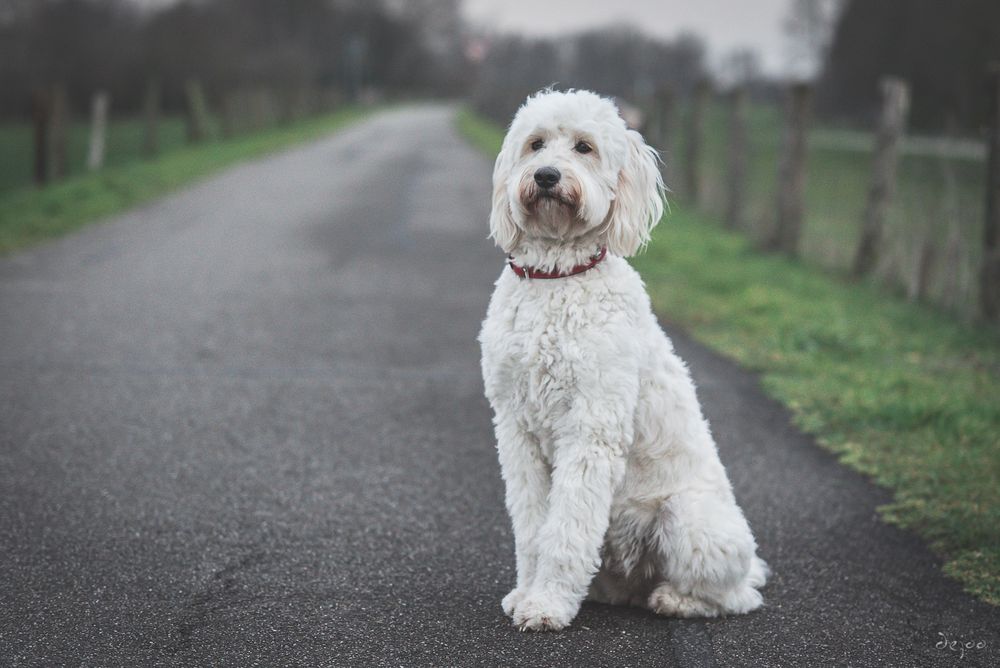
<point x="546" y="177"/>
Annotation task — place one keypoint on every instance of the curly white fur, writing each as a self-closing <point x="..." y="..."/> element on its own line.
<point x="614" y="485"/>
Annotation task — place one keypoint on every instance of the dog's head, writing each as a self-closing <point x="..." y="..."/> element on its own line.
<point x="569" y="166"/>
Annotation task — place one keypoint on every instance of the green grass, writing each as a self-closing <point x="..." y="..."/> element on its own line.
<point x="483" y="134"/>
<point x="900" y="392"/>
<point x="124" y="145"/>
<point x="29" y="214"/>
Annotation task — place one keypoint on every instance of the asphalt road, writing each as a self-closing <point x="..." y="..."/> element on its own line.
<point x="244" y="426"/>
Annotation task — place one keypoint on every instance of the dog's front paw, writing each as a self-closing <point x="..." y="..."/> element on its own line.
<point x="538" y="612"/>
<point x="511" y="600"/>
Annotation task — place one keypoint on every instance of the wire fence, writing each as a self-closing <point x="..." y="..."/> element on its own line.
<point x="931" y="237"/>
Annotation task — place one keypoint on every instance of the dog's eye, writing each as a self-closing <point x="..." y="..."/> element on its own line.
<point x="537" y="145"/>
<point x="583" y="147"/>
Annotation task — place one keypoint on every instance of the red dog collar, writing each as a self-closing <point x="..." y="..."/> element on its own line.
<point x="531" y="272"/>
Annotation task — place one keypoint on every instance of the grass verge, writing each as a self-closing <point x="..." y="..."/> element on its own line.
<point x="29" y="215"/>
<point x="125" y="138"/>
<point x="901" y="393"/>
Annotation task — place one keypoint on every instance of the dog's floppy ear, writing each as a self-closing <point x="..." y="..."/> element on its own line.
<point x="504" y="232"/>
<point x="638" y="203"/>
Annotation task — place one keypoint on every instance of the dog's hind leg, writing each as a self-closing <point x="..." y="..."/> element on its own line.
<point x="707" y="559"/>
<point x="609" y="588"/>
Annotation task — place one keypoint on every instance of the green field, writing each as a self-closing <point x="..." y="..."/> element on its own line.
<point x="29" y="214"/>
<point x="124" y="145"/>
<point x="939" y="201"/>
<point x="898" y="390"/>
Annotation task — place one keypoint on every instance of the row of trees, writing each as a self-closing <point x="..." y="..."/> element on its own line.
<point x="422" y="47"/>
<point x="943" y="49"/>
<point x="118" y="46"/>
<point x="621" y="62"/>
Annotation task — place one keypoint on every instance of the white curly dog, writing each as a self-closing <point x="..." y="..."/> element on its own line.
<point x="614" y="486"/>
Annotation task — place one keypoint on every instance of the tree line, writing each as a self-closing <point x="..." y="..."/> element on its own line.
<point x="619" y="61"/>
<point x="422" y="47"/>
<point x="119" y="46"/>
<point x="942" y="48"/>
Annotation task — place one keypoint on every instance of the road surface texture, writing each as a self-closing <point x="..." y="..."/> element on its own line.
<point x="244" y="426"/>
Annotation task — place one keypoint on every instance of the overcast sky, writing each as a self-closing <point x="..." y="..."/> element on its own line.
<point x="724" y="24"/>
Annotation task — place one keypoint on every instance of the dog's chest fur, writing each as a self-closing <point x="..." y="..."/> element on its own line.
<point x="546" y="343"/>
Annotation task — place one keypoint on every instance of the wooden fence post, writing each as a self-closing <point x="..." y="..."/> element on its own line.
<point x="663" y="101"/>
<point x="792" y="172"/>
<point x="197" y="115"/>
<point x="151" y="117"/>
<point x="301" y="102"/>
<point x="737" y="149"/>
<point x="892" y="124"/>
<point x="58" y="132"/>
<point x="291" y="105"/>
<point x="49" y="119"/>
<point x="695" y="141"/>
<point x="258" y="108"/>
<point x="229" y="112"/>
<point x="331" y="99"/>
<point x="954" y="254"/>
<point x="272" y="104"/>
<point x="41" y="112"/>
<point x="262" y="108"/>
<point x="989" y="276"/>
<point x="923" y="268"/>
<point x="98" y="130"/>
<point x="314" y="101"/>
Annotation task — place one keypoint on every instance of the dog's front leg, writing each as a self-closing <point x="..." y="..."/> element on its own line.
<point x="569" y="543"/>
<point x="526" y="476"/>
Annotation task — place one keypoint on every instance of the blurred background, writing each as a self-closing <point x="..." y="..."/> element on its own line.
<point x="721" y="87"/>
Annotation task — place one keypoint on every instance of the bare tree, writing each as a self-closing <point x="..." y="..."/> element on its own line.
<point x="616" y="61"/>
<point x="740" y="68"/>
<point x="809" y="27"/>
<point x="290" y="46"/>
